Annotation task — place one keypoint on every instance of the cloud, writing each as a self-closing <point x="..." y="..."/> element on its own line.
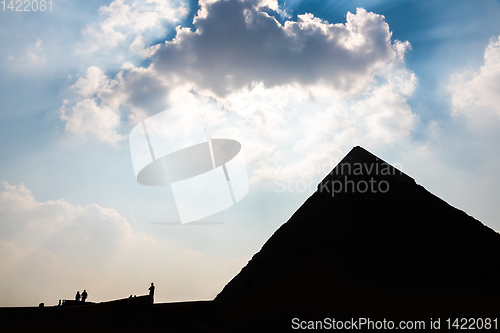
<point x="475" y="111"/>
<point x="237" y="44"/>
<point x="100" y="102"/>
<point x="139" y="47"/>
<point x="92" y="83"/>
<point x="475" y="94"/>
<point x="129" y="22"/>
<point x="34" y="53"/>
<point x="385" y="112"/>
<point x="24" y="217"/>
<point x="32" y="58"/>
<point x="87" y="118"/>
<point x="92" y="115"/>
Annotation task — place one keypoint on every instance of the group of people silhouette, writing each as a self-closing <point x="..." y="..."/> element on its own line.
<point x="83" y="296"/>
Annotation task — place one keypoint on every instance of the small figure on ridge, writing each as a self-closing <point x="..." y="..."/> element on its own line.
<point x="152" y="292"/>
<point x="84" y="295"/>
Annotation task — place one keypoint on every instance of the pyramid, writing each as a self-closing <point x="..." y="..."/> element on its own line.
<point x="370" y="238"/>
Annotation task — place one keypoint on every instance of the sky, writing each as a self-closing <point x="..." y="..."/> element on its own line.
<point x="297" y="83"/>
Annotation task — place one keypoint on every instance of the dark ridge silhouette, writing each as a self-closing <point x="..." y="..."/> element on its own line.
<point x="72" y="302"/>
<point x="370" y="242"/>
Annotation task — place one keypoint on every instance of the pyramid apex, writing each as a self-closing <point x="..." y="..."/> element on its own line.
<point x="361" y="165"/>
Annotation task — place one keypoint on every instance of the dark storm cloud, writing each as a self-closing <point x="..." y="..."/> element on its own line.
<point x="237" y="44"/>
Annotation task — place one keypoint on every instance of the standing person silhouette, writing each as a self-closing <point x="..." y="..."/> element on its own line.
<point x="152" y="292"/>
<point x="84" y="295"/>
<point x="77" y="296"/>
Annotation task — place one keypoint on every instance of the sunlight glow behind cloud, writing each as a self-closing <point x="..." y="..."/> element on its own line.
<point x="273" y="79"/>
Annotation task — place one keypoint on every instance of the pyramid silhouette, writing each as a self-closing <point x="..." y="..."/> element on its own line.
<point x="368" y="241"/>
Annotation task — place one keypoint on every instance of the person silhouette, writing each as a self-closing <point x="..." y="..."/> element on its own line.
<point x="84" y="295"/>
<point x="77" y="296"/>
<point x="152" y="292"/>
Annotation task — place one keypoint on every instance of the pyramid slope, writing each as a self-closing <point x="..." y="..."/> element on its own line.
<point x="347" y="245"/>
